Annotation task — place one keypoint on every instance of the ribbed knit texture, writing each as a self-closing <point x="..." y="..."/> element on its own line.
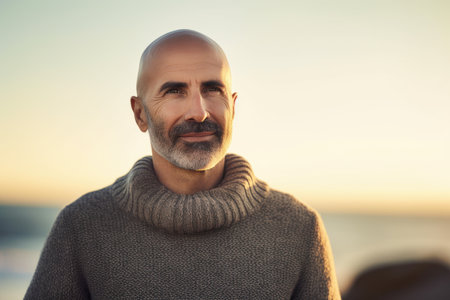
<point x="238" y="195"/>
<point x="137" y="240"/>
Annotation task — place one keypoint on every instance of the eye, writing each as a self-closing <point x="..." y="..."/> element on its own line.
<point x="213" y="89"/>
<point x="173" y="91"/>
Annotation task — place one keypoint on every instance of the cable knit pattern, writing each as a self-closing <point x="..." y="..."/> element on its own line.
<point x="238" y="195"/>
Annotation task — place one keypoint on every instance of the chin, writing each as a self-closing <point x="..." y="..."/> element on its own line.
<point x="199" y="156"/>
<point x="196" y="161"/>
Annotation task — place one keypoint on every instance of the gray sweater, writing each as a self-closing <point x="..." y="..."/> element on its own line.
<point x="136" y="239"/>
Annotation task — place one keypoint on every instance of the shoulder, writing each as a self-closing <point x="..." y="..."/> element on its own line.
<point x="92" y="204"/>
<point x="287" y="211"/>
<point x="280" y="202"/>
<point x="92" y="215"/>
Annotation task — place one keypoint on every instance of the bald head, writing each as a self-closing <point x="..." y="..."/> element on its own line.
<point x="167" y="48"/>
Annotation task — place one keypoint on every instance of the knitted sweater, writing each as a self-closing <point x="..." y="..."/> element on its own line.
<point x="136" y="239"/>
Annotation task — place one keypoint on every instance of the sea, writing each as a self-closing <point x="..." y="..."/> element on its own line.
<point x="359" y="241"/>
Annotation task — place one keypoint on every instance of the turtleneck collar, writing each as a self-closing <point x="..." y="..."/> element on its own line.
<point x="237" y="196"/>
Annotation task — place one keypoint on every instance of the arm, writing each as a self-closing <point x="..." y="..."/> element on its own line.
<point x="58" y="274"/>
<point x="318" y="279"/>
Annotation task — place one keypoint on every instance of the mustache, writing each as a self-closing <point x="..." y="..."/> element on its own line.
<point x="189" y="126"/>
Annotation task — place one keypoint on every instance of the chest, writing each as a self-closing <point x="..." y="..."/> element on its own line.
<point x="143" y="263"/>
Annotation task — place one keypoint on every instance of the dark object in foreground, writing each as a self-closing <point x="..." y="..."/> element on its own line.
<point x="402" y="281"/>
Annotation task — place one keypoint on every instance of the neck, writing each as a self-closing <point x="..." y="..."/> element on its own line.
<point x="182" y="181"/>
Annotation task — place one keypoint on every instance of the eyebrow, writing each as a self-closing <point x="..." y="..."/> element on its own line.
<point x="213" y="83"/>
<point x="172" y="85"/>
<point x="180" y="85"/>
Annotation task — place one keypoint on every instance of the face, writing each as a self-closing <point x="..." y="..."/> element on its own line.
<point x="188" y="105"/>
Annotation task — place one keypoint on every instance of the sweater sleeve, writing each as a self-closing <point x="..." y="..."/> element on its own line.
<point x="318" y="279"/>
<point x="58" y="274"/>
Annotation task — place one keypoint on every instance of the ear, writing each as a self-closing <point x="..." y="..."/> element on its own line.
<point x="233" y="98"/>
<point x="139" y="113"/>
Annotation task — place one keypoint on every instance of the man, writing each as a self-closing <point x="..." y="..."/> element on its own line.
<point x="190" y="222"/>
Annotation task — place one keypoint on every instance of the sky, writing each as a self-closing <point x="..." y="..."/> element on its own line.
<point x="344" y="104"/>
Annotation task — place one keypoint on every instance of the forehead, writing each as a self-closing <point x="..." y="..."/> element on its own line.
<point x="186" y="62"/>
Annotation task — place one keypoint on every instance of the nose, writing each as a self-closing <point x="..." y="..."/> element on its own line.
<point x="197" y="110"/>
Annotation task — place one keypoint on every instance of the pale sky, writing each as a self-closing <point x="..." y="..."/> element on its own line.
<point x="344" y="104"/>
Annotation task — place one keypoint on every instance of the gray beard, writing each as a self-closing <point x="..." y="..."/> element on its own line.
<point x="191" y="156"/>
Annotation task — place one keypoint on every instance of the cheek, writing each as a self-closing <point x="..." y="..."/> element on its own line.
<point x="166" y="115"/>
<point x="222" y="114"/>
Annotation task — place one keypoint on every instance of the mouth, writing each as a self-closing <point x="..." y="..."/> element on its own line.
<point x="198" y="136"/>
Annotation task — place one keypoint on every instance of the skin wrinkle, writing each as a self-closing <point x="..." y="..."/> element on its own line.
<point x="197" y="68"/>
<point x="174" y="66"/>
<point x="157" y="136"/>
<point x="157" y="47"/>
<point x="259" y="258"/>
<point x="179" y="85"/>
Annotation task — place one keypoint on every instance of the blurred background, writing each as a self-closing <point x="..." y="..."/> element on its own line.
<point x="344" y="104"/>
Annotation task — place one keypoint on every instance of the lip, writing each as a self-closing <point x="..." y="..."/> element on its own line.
<point x="197" y="136"/>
